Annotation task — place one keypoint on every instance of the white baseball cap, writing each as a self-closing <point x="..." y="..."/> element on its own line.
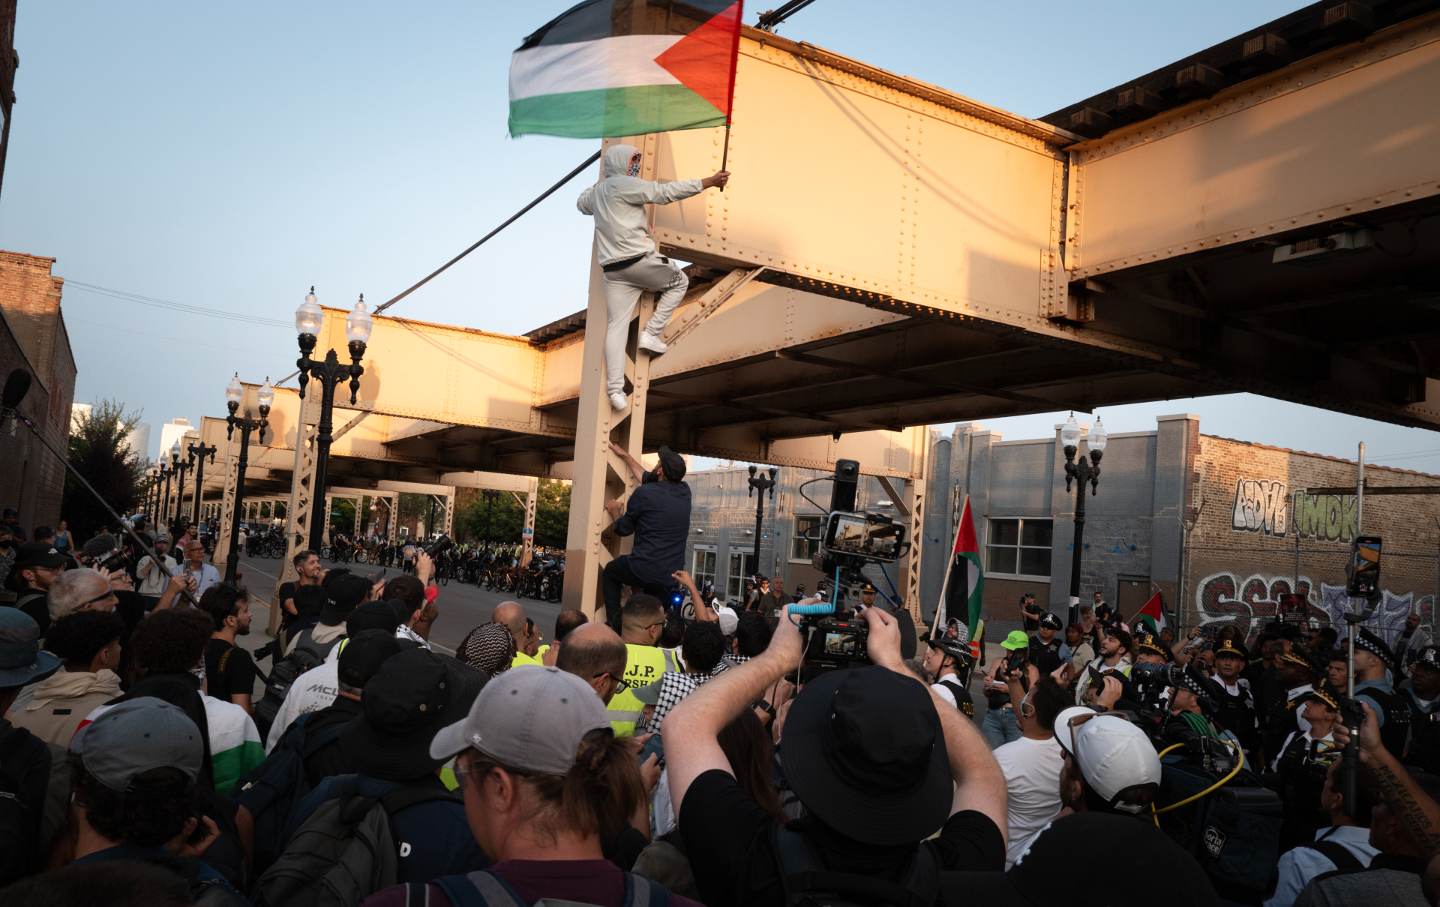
<point x="1063" y="734"/>
<point x="729" y="620"/>
<point x="1114" y="754"/>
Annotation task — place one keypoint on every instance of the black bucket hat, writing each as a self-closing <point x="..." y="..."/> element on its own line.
<point x="865" y="752"/>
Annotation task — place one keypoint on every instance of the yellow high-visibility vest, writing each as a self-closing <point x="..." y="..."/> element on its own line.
<point x="644" y="665"/>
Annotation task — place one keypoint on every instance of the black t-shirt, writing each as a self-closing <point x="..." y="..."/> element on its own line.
<point x="308" y="602"/>
<point x="732" y="851"/>
<point x="229" y="670"/>
<point x="1030" y="617"/>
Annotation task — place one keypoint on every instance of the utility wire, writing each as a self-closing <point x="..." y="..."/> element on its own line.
<point x="184" y="308"/>
<point x="479" y="242"/>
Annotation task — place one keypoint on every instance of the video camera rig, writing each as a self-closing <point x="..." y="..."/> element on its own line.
<point x="849" y="540"/>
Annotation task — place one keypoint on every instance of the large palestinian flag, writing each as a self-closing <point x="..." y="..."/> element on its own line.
<point x="964" y="587"/>
<point x="609" y="68"/>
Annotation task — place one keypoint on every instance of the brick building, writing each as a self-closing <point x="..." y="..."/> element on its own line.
<point x="1215" y="525"/>
<point x="1211" y="523"/>
<point x="33" y="337"/>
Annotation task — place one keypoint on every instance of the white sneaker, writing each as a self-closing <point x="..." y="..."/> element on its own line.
<point x="654" y="344"/>
<point x="619" y="402"/>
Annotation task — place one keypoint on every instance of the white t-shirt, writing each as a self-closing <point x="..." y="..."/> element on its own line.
<point x="945" y="692"/>
<point x="311" y="692"/>
<point x="1032" y="777"/>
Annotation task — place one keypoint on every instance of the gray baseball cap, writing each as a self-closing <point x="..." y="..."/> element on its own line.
<point x="136" y="736"/>
<point x="530" y="717"/>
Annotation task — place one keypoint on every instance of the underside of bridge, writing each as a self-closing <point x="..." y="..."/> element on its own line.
<point x="1263" y="216"/>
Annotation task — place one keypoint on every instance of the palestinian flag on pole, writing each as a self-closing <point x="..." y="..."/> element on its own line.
<point x="964" y="586"/>
<point x="608" y="68"/>
<point x="1152" y="615"/>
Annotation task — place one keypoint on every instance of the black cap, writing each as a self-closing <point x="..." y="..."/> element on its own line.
<point x="408" y="700"/>
<point x="952" y="647"/>
<point x="363" y="655"/>
<point x="343" y="593"/>
<point x="37" y="554"/>
<point x="1375" y="646"/>
<point x="1429" y="657"/>
<point x="867" y="589"/>
<point x="99" y="546"/>
<point x="372" y="616"/>
<point x="1051" y="622"/>
<point x="674" y="464"/>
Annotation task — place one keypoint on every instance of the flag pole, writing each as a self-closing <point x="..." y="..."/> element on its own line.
<point x="734" y="66"/>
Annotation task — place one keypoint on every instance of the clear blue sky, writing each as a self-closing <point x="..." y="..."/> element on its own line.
<point x="228" y="155"/>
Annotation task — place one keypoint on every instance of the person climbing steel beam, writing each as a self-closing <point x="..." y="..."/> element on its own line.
<point x="627" y="254"/>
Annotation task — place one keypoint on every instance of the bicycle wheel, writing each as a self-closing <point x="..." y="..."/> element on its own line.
<point x="359" y="556"/>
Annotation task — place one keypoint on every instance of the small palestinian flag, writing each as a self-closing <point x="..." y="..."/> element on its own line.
<point x="1152" y="615"/>
<point x="964" y="587"/>
<point x="607" y="68"/>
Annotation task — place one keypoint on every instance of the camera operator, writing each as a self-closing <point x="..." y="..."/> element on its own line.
<point x="999" y="725"/>
<point x="1115" y="648"/>
<point x="36" y="568"/>
<point x="1150" y="683"/>
<point x="658" y="515"/>
<point x="152" y="578"/>
<point x="1030" y="613"/>
<point x="879" y="762"/>
<point x="205" y="575"/>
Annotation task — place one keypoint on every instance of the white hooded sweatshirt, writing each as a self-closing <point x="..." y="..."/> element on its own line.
<point x="618" y="204"/>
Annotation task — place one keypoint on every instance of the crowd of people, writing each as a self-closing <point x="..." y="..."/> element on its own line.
<point x="670" y="754"/>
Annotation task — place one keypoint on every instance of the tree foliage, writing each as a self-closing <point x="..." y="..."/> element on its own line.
<point x="500" y="518"/>
<point x="99" y="452"/>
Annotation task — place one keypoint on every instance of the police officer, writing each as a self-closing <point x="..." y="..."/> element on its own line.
<point x="1373" y="663"/>
<point x="1296" y="675"/>
<point x="1045" y="644"/>
<point x="1423" y="697"/>
<point x="1298" y="770"/>
<point x="947" y="664"/>
<point x="1191" y="703"/>
<point x="1150" y="683"/>
<point x="1235" y="709"/>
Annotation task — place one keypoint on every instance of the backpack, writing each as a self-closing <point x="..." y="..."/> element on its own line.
<point x="24" y="781"/>
<point x="272" y="790"/>
<point x="345" y="851"/>
<point x="807" y="881"/>
<point x="308" y="654"/>
<point x="485" y="889"/>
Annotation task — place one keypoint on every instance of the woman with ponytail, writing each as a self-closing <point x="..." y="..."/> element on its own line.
<point x="545" y="783"/>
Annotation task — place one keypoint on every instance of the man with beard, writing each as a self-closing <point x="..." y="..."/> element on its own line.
<point x="229" y="669"/>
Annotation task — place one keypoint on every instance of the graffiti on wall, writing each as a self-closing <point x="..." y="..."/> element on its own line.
<point x="1263" y="506"/>
<point x="1224" y="598"/>
<point x="1259" y="506"/>
<point x="1330" y="517"/>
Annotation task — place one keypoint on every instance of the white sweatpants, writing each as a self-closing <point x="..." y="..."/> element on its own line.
<point x="622" y="292"/>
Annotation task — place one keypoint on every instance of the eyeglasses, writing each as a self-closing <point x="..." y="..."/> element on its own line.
<point x="621" y="684"/>
<point x="108" y="596"/>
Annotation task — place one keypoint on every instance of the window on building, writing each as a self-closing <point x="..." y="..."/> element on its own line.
<point x="741" y="566"/>
<point x="1019" y="547"/>
<point x="806" y="539"/>
<point x="702" y="566"/>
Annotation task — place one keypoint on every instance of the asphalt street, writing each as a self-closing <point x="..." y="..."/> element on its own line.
<point x="462" y="606"/>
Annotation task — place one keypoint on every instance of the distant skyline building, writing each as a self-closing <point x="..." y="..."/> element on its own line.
<point x="171" y="432"/>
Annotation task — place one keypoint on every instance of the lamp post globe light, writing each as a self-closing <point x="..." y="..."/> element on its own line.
<point x="762" y="484"/>
<point x="247" y="423"/>
<point x="199" y="451"/>
<point x="1079" y="471"/>
<point x="329" y="372"/>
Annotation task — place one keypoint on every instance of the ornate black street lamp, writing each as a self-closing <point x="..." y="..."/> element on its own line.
<point x="246" y="423"/>
<point x="181" y="466"/>
<point x="329" y="372"/>
<point x="199" y="451"/>
<point x="762" y="484"/>
<point x="1082" y="471"/>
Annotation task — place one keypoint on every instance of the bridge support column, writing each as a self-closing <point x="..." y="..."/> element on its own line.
<point x="600" y="475"/>
<point x="227" y="506"/>
<point x="527" y="534"/>
<point x="300" y="510"/>
<point x="915" y="532"/>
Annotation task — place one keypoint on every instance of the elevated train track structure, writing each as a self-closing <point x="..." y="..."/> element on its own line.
<point x="1263" y="216"/>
